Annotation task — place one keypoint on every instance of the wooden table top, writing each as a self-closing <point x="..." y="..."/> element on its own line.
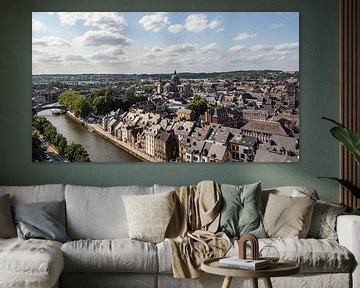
<point x="281" y="268"/>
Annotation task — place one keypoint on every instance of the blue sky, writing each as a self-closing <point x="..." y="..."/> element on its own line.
<point x="159" y="42"/>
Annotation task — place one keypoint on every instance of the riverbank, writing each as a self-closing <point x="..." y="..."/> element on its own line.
<point x="95" y="128"/>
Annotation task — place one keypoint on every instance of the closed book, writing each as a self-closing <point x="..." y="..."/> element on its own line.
<point x="236" y="262"/>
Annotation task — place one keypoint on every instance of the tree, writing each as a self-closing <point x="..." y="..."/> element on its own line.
<point x="101" y="105"/>
<point x="198" y="105"/>
<point x="38" y="151"/>
<point x="76" y="153"/>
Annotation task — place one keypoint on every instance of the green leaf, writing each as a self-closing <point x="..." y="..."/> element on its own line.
<point x="348" y="138"/>
<point x="347" y="184"/>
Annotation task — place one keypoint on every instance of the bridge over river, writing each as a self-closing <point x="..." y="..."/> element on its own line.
<point x="43" y="107"/>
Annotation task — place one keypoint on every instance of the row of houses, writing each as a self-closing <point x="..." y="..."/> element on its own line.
<point x="178" y="139"/>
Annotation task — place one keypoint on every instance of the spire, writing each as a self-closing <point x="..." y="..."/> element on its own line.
<point x="174" y="72"/>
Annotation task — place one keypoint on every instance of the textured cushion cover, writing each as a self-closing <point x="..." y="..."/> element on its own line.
<point x="44" y="220"/>
<point x="98" y="212"/>
<point x="31" y="263"/>
<point x="117" y="255"/>
<point x="7" y="226"/>
<point x="323" y="222"/>
<point x="149" y="215"/>
<point x="34" y="193"/>
<point x="313" y="255"/>
<point x="240" y="210"/>
<point x="291" y="191"/>
<point x="287" y="216"/>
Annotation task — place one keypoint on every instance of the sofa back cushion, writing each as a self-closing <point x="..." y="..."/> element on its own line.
<point x="290" y="191"/>
<point x="34" y="193"/>
<point x="98" y="212"/>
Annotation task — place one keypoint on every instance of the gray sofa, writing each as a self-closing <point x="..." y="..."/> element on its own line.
<point x="101" y="254"/>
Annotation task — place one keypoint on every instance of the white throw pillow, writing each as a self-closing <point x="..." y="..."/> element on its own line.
<point x="149" y="215"/>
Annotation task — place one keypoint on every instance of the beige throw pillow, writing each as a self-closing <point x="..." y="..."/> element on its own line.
<point x="288" y="217"/>
<point x="7" y="226"/>
<point x="149" y="215"/>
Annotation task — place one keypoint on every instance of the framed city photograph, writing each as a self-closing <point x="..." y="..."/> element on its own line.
<point x="165" y="87"/>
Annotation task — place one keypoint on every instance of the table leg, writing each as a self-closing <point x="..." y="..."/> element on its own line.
<point x="267" y="283"/>
<point x="227" y="282"/>
<point x="254" y="282"/>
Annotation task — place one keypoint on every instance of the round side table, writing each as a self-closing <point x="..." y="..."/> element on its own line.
<point x="281" y="268"/>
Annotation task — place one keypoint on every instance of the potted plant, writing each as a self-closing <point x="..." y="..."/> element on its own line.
<point x="351" y="141"/>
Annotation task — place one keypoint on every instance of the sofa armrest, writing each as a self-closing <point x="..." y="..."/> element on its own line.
<point x="348" y="230"/>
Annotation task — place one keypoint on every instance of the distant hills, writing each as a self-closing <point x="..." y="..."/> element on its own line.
<point x="230" y="75"/>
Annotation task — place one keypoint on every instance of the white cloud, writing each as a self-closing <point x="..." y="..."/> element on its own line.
<point x="196" y="22"/>
<point x="260" y="47"/>
<point x="276" y="25"/>
<point x="180" y="48"/>
<point x="116" y="51"/>
<point x="74" y="58"/>
<point x="215" y="25"/>
<point x="156" y="49"/>
<point x="208" y="48"/>
<point x="155" y="22"/>
<point x="237" y="48"/>
<point x="244" y="36"/>
<point x="105" y="20"/>
<point x="287" y="46"/>
<point x="101" y="20"/>
<point x="38" y="26"/>
<point x="176" y="28"/>
<point x="70" y="18"/>
<point x="199" y="22"/>
<point x="45" y="57"/>
<point x="50" y="41"/>
<point x="99" y="38"/>
<point x="101" y="56"/>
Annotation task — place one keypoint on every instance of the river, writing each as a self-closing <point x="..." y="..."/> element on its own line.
<point x="99" y="149"/>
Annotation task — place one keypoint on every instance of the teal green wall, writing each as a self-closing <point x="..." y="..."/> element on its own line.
<point x="319" y="97"/>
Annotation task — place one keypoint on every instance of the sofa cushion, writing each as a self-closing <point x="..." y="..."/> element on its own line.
<point x="323" y="222"/>
<point x="7" y="226"/>
<point x="30" y="263"/>
<point x="98" y="213"/>
<point x="116" y="255"/>
<point x="313" y="255"/>
<point x="287" y="216"/>
<point x="34" y="193"/>
<point x="149" y="215"/>
<point x="43" y="220"/>
<point x="240" y="210"/>
<point x="291" y="191"/>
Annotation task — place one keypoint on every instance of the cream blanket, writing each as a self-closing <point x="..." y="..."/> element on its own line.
<point x="191" y="231"/>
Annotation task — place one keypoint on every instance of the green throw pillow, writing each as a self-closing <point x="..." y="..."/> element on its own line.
<point x="240" y="213"/>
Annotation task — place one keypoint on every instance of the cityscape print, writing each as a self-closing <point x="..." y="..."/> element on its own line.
<point x="165" y="87"/>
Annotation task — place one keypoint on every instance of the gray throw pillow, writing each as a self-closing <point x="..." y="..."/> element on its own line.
<point x="7" y="226"/>
<point x="240" y="213"/>
<point x="44" y="220"/>
<point x="323" y="222"/>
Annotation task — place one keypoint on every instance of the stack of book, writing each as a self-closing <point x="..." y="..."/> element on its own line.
<point x="248" y="264"/>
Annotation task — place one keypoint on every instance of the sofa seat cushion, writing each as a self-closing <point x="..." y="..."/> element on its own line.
<point x="30" y="263"/>
<point x="115" y="255"/>
<point x="313" y="255"/>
